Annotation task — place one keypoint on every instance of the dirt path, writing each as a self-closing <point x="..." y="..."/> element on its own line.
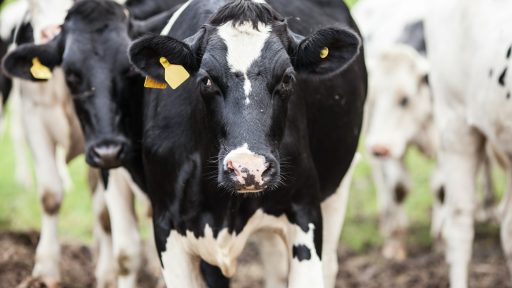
<point x="422" y="269"/>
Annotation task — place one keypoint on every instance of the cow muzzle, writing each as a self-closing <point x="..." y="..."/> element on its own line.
<point x="106" y="155"/>
<point x="249" y="172"/>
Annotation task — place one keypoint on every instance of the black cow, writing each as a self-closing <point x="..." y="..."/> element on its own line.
<point x="280" y="119"/>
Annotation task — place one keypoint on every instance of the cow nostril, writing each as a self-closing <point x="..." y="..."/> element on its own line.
<point x="232" y="168"/>
<point x="269" y="170"/>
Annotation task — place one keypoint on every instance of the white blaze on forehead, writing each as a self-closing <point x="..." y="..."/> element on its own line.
<point x="174" y="17"/>
<point x="247" y="163"/>
<point x="244" y="44"/>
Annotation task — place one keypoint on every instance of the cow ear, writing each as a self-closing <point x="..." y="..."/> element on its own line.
<point x="33" y="62"/>
<point x="147" y="53"/>
<point x="326" y="52"/>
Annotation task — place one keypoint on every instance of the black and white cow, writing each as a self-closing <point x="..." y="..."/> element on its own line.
<point x="265" y="112"/>
<point x="279" y="117"/>
<point x="470" y="53"/>
<point x="50" y="122"/>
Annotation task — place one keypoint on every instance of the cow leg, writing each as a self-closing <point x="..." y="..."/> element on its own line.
<point x="50" y="190"/>
<point x="105" y="274"/>
<point x="334" y="210"/>
<point x="22" y="170"/>
<point x="273" y="256"/>
<point x="304" y="248"/>
<point x="392" y="188"/>
<point x="459" y="157"/>
<point x="179" y="267"/>
<point x="125" y="235"/>
<point x="506" y="222"/>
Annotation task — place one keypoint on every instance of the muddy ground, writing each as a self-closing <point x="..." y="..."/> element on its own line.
<point x="424" y="268"/>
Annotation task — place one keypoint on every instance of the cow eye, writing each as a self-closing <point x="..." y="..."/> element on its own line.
<point x="288" y="79"/>
<point x="404" y="102"/>
<point x="207" y="86"/>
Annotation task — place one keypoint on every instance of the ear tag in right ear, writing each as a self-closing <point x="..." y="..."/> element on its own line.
<point x="39" y="71"/>
<point x="175" y="75"/>
<point x="152" y="83"/>
<point x="324" y="53"/>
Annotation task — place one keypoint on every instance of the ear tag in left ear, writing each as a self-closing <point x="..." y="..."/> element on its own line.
<point x="175" y="75"/>
<point x="39" y="71"/>
<point x="152" y="83"/>
<point x="324" y="53"/>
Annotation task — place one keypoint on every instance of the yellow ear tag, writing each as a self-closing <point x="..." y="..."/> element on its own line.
<point x="324" y="53"/>
<point x="39" y="71"/>
<point x="152" y="83"/>
<point x="175" y="75"/>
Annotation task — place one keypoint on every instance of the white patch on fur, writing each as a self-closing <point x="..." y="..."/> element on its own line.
<point x="11" y="16"/>
<point x="221" y="251"/>
<point x="247" y="163"/>
<point x="244" y="47"/>
<point x="174" y="17"/>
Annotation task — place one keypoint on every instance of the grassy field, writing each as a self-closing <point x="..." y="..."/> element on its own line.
<point x="19" y="208"/>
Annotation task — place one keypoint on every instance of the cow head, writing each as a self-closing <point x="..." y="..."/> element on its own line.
<point x="400" y="101"/>
<point x="91" y="49"/>
<point x="245" y="63"/>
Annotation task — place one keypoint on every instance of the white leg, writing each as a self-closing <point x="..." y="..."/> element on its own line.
<point x="334" y="210"/>
<point x="125" y="234"/>
<point x="459" y="157"/>
<point x="105" y="274"/>
<point x="437" y="186"/>
<point x="392" y="188"/>
<point x="273" y="255"/>
<point x="180" y="268"/>
<point x="305" y="264"/>
<point x="22" y="172"/>
<point x="51" y="193"/>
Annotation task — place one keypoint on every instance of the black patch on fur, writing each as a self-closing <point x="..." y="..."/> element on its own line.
<point x="491" y="72"/>
<point x="301" y="252"/>
<point x="240" y="11"/>
<point x="508" y="95"/>
<point x="400" y="193"/>
<point x="104" y="177"/>
<point x="509" y="52"/>
<point x="501" y="79"/>
<point x="441" y="194"/>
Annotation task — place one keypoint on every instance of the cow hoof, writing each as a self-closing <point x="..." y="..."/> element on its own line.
<point x="40" y="282"/>
<point x="394" y="251"/>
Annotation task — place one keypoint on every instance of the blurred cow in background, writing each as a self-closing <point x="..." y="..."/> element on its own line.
<point x="399" y="108"/>
<point x="470" y="53"/>
<point x="55" y="136"/>
<point x="399" y="113"/>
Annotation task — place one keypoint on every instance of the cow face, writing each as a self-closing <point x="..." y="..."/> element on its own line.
<point x="244" y="64"/>
<point x="92" y="51"/>
<point x="400" y="102"/>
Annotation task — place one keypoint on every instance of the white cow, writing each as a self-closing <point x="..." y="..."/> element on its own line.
<point x="400" y="116"/>
<point x="55" y="137"/>
<point x="469" y="43"/>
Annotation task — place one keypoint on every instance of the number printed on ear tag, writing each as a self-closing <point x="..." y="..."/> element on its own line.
<point x="175" y="75"/>
<point x="39" y="71"/>
<point x="152" y="83"/>
<point x="324" y="53"/>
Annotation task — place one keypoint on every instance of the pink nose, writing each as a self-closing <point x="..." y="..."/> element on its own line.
<point x="247" y="169"/>
<point x="380" y="151"/>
